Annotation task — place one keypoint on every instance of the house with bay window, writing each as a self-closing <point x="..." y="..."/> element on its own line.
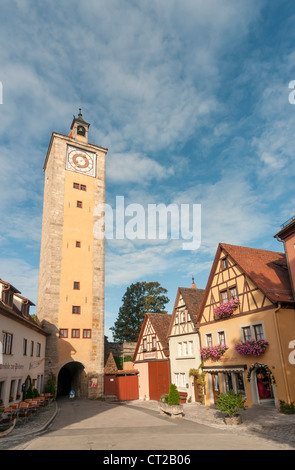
<point x="247" y="325"/>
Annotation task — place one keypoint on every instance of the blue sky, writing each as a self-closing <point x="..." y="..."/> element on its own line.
<point x="191" y="99"/>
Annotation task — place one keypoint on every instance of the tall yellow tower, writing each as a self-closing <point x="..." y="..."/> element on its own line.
<point x="71" y="274"/>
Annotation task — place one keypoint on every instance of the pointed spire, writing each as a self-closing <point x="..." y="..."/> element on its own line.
<point x="193" y="286"/>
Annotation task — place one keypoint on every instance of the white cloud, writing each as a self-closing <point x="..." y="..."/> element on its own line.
<point x="135" y="168"/>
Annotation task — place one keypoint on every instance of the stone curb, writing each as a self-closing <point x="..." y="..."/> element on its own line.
<point x="33" y="431"/>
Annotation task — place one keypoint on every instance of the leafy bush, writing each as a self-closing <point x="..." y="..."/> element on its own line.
<point x="173" y="396"/>
<point x="287" y="408"/>
<point x="51" y="384"/>
<point x="29" y="393"/>
<point x="164" y="398"/>
<point x="230" y="403"/>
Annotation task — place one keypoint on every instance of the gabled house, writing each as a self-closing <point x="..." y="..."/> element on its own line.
<point x="246" y="324"/>
<point x="22" y="346"/>
<point x="151" y="356"/>
<point x="184" y="345"/>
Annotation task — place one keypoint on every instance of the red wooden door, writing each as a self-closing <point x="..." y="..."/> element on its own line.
<point x="110" y="385"/>
<point x="159" y="379"/>
<point x="127" y="387"/>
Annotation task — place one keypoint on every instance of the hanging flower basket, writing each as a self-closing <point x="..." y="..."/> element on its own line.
<point x="226" y="309"/>
<point x="213" y="352"/>
<point x="259" y="365"/>
<point x="252" y="347"/>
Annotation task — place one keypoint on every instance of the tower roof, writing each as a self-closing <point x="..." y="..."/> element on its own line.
<point x="79" y="119"/>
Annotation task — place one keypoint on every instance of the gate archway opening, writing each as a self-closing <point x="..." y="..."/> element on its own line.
<point x="72" y="376"/>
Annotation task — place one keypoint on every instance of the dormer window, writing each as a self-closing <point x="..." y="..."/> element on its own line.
<point x="7" y="297"/>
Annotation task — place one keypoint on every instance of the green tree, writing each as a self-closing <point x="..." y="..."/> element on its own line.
<point x="139" y="299"/>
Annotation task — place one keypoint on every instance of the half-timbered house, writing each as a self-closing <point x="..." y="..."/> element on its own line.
<point x="151" y="356"/>
<point x="184" y="345"/>
<point x="246" y="324"/>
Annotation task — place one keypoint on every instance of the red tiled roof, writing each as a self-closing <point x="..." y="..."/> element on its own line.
<point x="267" y="269"/>
<point x="192" y="298"/>
<point x="161" y="323"/>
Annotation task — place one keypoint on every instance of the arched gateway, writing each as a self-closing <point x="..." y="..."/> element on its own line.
<point x="72" y="376"/>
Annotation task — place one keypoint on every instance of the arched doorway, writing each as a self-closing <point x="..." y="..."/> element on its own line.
<point x="72" y="377"/>
<point x="262" y="384"/>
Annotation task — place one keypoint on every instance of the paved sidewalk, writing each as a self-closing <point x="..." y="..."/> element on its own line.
<point x="33" y="425"/>
<point x="265" y="421"/>
<point x="262" y="421"/>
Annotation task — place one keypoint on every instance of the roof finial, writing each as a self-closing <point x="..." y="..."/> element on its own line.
<point x="80" y="114"/>
<point x="193" y="286"/>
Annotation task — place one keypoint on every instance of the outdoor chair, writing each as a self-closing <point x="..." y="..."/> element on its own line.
<point x="24" y="410"/>
<point x="6" y="416"/>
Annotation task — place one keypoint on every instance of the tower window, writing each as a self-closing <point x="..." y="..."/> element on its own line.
<point x="82" y="187"/>
<point x="76" y="285"/>
<point x="78" y="244"/>
<point x="86" y="333"/>
<point x="79" y="204"/>
<point x="75" y="333"/>
<point x="63" y="333"/>
<point x="76" y="309"/>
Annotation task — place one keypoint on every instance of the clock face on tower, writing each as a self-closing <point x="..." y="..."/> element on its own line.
<point x="80" y="161"/>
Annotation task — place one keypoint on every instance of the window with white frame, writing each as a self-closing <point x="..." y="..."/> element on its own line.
<point x="191" y="348"/>
<point x="258" y="331"/>
<point x="7" y="343"/>
<point x="179" y="349"/>
<point x="221" y="337"/>
<point x="182" y="380"/>
<point x="252" y="331"/>
<point x="209" y="340"/>
<point x="176" y="379"/>
<point x="185" y="349"/>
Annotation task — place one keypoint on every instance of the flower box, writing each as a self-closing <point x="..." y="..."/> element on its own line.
<point x="252" y="347"/>
<point x="213" y="352"/>
<point x="226" y="309"/>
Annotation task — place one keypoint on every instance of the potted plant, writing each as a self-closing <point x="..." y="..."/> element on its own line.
<point x="170" y="404"/>
<point x="230" y="403"/>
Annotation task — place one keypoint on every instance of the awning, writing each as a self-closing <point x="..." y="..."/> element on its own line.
<point x="215" y="369"/>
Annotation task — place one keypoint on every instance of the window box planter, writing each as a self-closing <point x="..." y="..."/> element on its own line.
<point x="213" y="352"/>
<point x="252" y="347"/>
<point x="226" y="309"/>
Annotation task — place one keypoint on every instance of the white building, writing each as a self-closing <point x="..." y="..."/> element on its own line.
<point x="184" y="343"/>
<point x="22" y="346"/>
